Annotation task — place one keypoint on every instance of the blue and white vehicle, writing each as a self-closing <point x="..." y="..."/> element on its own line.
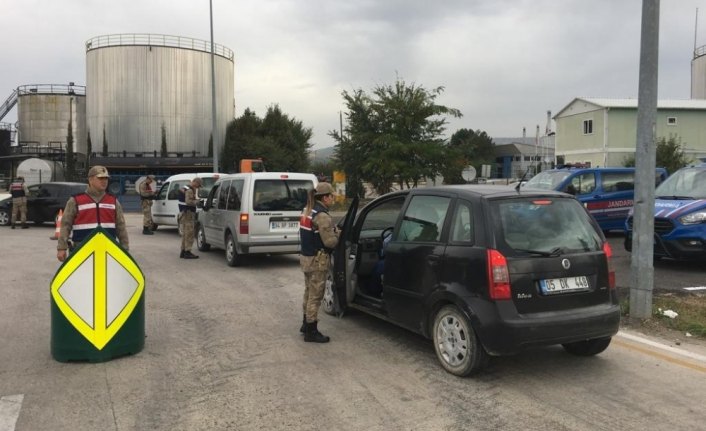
<point x="680" y="216"/>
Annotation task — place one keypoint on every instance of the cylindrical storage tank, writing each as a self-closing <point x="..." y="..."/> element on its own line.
<point x="44" y="112"/>
<point x="140" y="85"/>
<point x="698" y="73"/>
<point x="37" y="171"/>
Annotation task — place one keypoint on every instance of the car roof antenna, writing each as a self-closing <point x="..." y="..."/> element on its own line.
<point x="519" y="183"/>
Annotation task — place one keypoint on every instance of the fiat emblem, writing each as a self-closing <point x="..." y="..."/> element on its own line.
<point x="565" y="263"/>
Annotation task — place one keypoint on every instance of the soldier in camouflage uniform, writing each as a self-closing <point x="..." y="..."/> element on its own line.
<point x="318" y="237"/>
<point x="19" y="192"/>
<point x="188" y="202"/>
<point x="146" y="196"/>
<point x="86" y="211"/>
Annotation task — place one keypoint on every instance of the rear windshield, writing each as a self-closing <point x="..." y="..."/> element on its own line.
<point x="547" y="180"/>
<point x="687" y="183"/>
<point x="547" y="225"/>
<point x="281" y="195"/>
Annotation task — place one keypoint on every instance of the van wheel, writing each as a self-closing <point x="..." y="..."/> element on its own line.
<point x="201" y="239"/>
<point x="456" y="344"/>
<point x="587" y="347"/>
<point x="328" y="302"/>
<point x="4" y="217"/>
<point x="232" y="256"/>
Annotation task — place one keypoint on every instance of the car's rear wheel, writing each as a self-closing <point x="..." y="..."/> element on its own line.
<point x="587" y="347"/>
<point x="201" y="239"/>
<point x="4" y="217"/>
<point x="232" y="256"/>
<point x="456" y="344"/>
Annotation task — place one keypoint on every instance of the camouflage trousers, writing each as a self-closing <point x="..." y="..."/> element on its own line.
<point x="315" y="270"/>
<point x="146" y="213"/>
<point x="19" y="205"/>
<point x="186" y="222"/>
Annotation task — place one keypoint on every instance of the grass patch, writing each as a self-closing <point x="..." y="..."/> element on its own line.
<point x="689" y="306"/>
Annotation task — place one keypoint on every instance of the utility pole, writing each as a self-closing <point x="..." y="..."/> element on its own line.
<point x="642" y="268"/>
<point x="214" y="131"/>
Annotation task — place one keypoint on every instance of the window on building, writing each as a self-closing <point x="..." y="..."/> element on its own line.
<point x="671" y="121"/>
<point x="587" y="127"/>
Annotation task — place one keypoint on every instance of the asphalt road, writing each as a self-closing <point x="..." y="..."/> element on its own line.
<point x="223" y="352"/>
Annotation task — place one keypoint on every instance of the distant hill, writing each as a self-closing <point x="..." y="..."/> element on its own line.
<point x="321" y="155"/>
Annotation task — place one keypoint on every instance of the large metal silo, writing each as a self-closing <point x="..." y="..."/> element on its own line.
<point x="698" y="73"/>
<point x="44" y="112"/>
<point x="141" y="84"/>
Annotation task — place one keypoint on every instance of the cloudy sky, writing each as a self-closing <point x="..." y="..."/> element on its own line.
<point x="503" y="63"/>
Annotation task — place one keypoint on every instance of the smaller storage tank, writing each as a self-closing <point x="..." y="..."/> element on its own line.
<point x="37" y="171"/>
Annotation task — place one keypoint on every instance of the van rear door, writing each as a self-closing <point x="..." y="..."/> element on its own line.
<point x="277" y="204"/>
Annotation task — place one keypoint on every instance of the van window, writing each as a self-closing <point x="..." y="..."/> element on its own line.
<point x="582" y="183"/>
<point x="175" y="187"/>
<point x="163" y="192"/>
<point x="220" y="194"/>
<point x="235" y="191"/>
<point x="618" y="181"/>
<point x="424" y="219"/>
<point x="686" y="183"/>
<point x="206" y="186"/>
<point x="280" y="195"/>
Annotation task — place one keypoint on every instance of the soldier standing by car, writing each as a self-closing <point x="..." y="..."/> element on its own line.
<point x="19" y="192"/>
<point x="188" y="202"/>
<point x="93" y="208"/>
<point x="146" y="197"/>
<point x="318" y="237"/>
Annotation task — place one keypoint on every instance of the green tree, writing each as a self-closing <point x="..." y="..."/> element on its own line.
<point x="395" y="135"/>
<point x="105" y="144"/>
<point x="70" y="162"/>
<point x="467" y="147"/>
<point x="89" y="146"/>
<point x="668" y="154"/>
<point x="280" y="141"/>
<point x="163" y="148"/>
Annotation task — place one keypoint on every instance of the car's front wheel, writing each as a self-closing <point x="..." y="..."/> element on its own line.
<point x="4" y="217"/>
<point x="456" y="344"/>
<point x="587" y="347"/>
<point x="232" y="256"/>
<point x="201" y="239"/>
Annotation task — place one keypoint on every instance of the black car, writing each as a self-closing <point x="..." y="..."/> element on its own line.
<point x="481" y="270"/>
<point x="44" y="201"/>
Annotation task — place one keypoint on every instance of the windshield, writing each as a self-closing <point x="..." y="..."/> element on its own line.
<point x="281" y="195"/>
<point x="549" y="226"/>
<point x="206" y="186"/>
<point x="547" y="180"/>
<point x="685" y="183"/>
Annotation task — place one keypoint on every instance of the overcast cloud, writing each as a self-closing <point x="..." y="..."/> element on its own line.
<point x="503" y="63"/>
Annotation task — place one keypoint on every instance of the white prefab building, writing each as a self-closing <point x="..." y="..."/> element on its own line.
<point x="603" y="132"/>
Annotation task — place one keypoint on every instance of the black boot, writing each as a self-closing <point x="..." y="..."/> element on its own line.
<point x="181" y="255"/>
<point x="189" y="255"/>
<point x="13" y="226"/>
<point x="312" y="334"/>
<point x="302" y="329"/>
<point x="24" y="226"/>
<point x="147" y="231"/>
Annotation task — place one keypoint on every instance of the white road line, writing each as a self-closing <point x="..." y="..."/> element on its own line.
<point x="10" y="406"/>
<point x="681" y="352"/>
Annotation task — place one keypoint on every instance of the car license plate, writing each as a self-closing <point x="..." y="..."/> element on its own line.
<point x="552" y="286"/>
<point x="284" y="225"/>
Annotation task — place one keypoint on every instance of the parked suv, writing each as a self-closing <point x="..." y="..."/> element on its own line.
<point x="481" y="270"/>
<point x="254" y="213"/>
<point x="44" y="201"/>
<point x="680" y="216"/>
<point x="607" y="192"/>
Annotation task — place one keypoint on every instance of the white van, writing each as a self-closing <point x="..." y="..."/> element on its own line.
<point x="165" y="207"/>
<point x="254" y="213"/>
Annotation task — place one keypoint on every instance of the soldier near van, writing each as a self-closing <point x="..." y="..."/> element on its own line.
<point x="318" y="237"/>
<point x="93" y="208"/>
<point x="19" y="192"/>
<point x="188" y="202"/>
<point x="146" y="197"/>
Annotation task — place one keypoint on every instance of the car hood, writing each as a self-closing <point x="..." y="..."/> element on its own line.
<point x="676" y="208"/>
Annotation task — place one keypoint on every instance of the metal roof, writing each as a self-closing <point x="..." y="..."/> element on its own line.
<point x="698" y="104"/>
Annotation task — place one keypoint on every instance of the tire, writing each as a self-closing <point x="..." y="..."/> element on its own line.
<point x="456" y="343"/>
<point x="5" y="217"/>
<point x="590" y="347"/>
<point x="201" y="239"/>
<point x="327" y="304"/>
<point x="232" y="256"/>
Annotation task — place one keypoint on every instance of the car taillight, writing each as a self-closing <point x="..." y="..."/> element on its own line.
<point x="609" y="260"/>
<point x="244" y="224"/>
<point x="498" y="276"/>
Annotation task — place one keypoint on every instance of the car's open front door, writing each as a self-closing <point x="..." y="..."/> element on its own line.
<point x="340" y="259"/>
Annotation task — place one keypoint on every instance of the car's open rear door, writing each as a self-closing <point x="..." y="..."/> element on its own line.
<point x="340" y="259"/>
